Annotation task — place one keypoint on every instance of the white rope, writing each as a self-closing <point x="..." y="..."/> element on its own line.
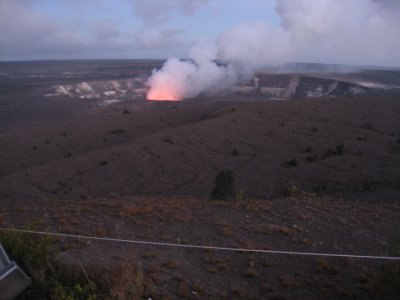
<point x="203" y="247"/>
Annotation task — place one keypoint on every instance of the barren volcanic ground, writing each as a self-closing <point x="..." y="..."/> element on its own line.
<point x="336" y="146"/>
<point x="311" y="175"/>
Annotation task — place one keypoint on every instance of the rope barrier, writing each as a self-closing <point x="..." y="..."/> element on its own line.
<point x="203" y="247"/>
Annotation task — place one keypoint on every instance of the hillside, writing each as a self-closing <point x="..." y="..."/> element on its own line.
<point x="342" y="146"/>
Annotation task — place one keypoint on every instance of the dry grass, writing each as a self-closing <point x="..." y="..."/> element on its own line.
<point x="216" y="264"/>
<point x="132" y="210"/>
<point x="173" y="264"/>
<point x="289" y="281"/>
<point x="227" y="231"/>
<point x="322" y="265"/>
<point x="251" y="273"/>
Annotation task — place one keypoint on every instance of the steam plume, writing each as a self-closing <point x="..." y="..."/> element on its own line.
<point x="328" y="31"/>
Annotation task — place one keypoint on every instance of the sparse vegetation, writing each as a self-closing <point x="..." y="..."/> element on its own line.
<point x="223" y="185"/>
<point x="39" y="256"/>
<point x="36" y="255"/>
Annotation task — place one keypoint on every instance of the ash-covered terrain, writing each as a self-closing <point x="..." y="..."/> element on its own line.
<point x="83" y="152"/>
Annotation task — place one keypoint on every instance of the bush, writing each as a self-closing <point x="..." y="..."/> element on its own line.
<point x="36" y="255"/>
<point x="223" y="185"/>
<point x="312" y="158"/>
<point x="338" y="151"/>
<point x="309" y="149"/>
<point x="117" y="131"/>
<point x="387" y="282"/>
<point x="241" y="196"/>
<point x="292" y="163"/>
<point x="295" y="191"/>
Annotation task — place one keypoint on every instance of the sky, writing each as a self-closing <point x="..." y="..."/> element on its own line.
<point x="331" y="31"/>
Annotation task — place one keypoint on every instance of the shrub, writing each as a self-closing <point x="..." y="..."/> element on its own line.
<point x="309" y="149"/>
<point x="234" y="152"/>
<point x="312" y="158"/>
<point x="167" y="140"/>
<point x="397" y="248"/>
<point x="339" y="150"/>
<point x="118" y="131"/>
<point x="387" y="282"/>
<point x="366" y="125"/>
<point x="223" y="185"/>
<point x="294" y="191"/>
<point x="241" y="196"/>
<point x="36" y="255"/>
<point x="292" y="163"/>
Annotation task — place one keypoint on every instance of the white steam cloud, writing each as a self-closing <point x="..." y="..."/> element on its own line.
<point x="187" y="79"/>
<point x="364" y="32"/>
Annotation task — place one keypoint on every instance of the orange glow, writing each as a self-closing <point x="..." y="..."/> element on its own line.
<point x="161" y="95"/>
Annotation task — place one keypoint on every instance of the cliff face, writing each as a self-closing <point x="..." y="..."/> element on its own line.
<point x="267" y="86"/>
<point x="106" y="89"/>
<point x="283" y="87"/>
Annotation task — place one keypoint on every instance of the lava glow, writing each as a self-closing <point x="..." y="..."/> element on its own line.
<point x="160" y="94"/>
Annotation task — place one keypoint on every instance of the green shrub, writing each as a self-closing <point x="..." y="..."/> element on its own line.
<point x="295" y="191"/>
<point x="292" y="191"/>
<point x="223" y="185"/>
<point x="292" y="163"/>
<point x="118" y="131"/>
<point x="36" y="255"/>
<point x="387" y="283"/>
<point x="309" y="149"/>
<point x="397" y="248"/>
<point x="241" y="196"/>
<point x="338" y="151"/>
<point x="312" y="158"/>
